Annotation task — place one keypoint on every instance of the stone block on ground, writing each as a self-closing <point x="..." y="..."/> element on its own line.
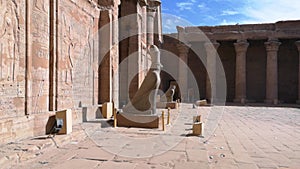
<point x="197" y="128"/>
<point x="107" y="110"/>
<point x="140" y="121"/>
<point x="201" y="103"/>
<point x="66" y="115"/>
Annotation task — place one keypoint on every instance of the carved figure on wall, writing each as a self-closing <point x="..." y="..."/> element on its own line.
<point x="69" y="45"/>
<point x="40" y="5"/>
<point x="8" y="39"/>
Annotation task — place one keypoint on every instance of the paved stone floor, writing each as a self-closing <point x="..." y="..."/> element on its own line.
<point x="234" y="137"/>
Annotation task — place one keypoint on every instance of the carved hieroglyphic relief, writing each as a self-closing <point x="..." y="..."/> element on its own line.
<point x="40" y="54"/>
<point x="75" y="55"/>
<point x="9" y="40"/>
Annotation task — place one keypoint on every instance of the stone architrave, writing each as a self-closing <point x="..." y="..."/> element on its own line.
<point x="211" y="53"/>
<point x="297" y="43"/>
<point x="272" y="47"/>
<point x="183" y="50"/>
<point x="240" y="71"/>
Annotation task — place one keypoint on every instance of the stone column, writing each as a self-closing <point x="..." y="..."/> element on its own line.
<point x="272" y="47"/>
<point x="150" y="26"/>
<point x="298" y="46"/>
<point x="240" y="71"/>
<point x="115" y="56"/>
<point x="182" y="71"/>
<point x="105" y="73"/>
<point x="28" y="76"/>
<point x="211" y="56"/>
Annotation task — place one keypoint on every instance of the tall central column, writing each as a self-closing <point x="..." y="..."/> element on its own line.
<point x="150" y="25"/>
<point x="211" y="56"/>
<point x="298" y="46"/>
<point x="182" y="71"/>
<point x="272" y="47"/>
<point x="240" y="71"/>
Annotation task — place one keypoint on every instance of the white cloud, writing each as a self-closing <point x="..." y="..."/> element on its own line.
<point x="171" y="21"/>
<point x="225" y="22"/>
<point x="271" y="11"/>
<point x="184" y="5"/>
<point x="187" y="5"/>
<point x="202" y="5"/>
<point x="229" y="12"/>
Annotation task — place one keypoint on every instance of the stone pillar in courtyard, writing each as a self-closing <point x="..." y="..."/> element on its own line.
<point x="106" y="54"/>
<point x="272" y="47"/>
<point x="297" y="43"/>
<point x="211" y="59"/>
<point x="183" y="50"/>
<point x="150" y="25"/>
<point x="241" y="47"/>
<point x="151" y="12"/>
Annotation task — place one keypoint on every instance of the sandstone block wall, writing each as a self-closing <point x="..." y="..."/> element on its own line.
<point x="59" y="54"/>
<point x="48" y="62"/>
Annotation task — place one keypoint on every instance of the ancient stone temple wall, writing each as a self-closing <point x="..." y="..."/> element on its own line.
<point x="12" y="67"/>
<point x="49" y="61"/>
<point x="260" y="61"/>
<point x="64" y="54"/>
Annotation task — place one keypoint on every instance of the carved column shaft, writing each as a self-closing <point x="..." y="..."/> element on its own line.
<point x="28" y="85"/>
<point x="150" y="26"/>
<point x="182" y="71"/>
<point x="298" y="46"/>
<point x="105" y="83"/>
<point x="211" y="56"/>
<point x="240" y="71"/>
<point x="115" y="57"/>
<point x="272" y="72"/>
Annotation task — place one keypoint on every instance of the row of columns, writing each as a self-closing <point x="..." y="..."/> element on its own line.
<point x="241" y="46"/>
<point x="272" y="47"/>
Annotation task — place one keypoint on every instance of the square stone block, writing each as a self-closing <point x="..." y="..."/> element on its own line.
<point x="201" y="103"/>
<point x="66" y="115"/>
<point x="107" y="110"/>
<point x="197" y="128"/>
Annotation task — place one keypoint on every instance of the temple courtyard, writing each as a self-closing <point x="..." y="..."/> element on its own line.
<point x="246" y="137"/>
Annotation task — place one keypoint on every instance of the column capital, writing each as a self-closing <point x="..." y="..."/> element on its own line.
<point x="297" y="43"/>
<point x="151" y="12"/>
<point x="183" y="48"/>
<point x="241" y="46"/>
<point x="272" y="45"/>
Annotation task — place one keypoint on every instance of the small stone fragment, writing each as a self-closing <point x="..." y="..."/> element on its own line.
<point x="211" y="157"/>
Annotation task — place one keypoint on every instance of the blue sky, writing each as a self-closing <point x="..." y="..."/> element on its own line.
<point x="226" y="12"/>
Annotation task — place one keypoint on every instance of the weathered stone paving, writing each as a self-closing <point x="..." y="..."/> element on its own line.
<point x="246" y="137"/>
